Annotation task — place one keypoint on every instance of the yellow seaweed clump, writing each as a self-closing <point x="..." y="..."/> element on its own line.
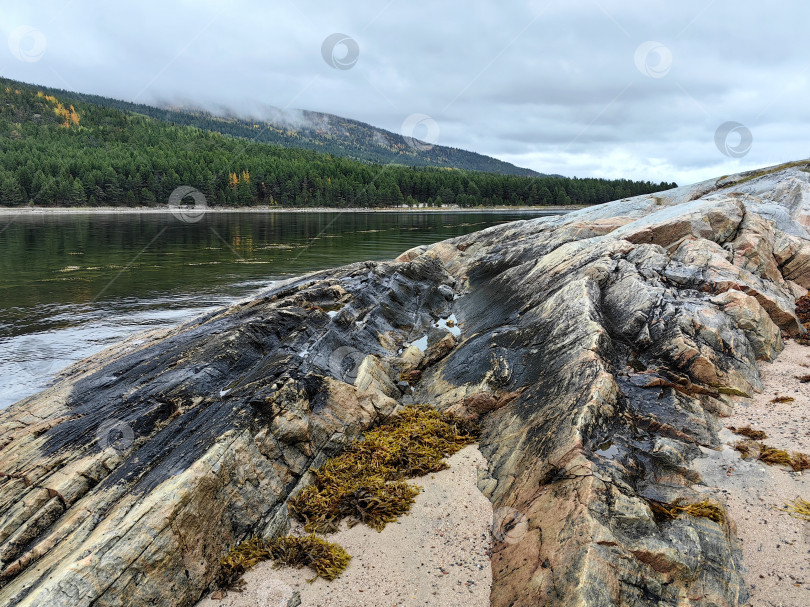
<point x="800" y="508"/>
<point x="749" y="432"/>
<point x="328" y="560"/>
<point x="704" y="509"/>
<point x="770" y="455"/>
<point x="744" y="447"/>
<point x="241" y="558"/>
<point x="365" y="484"/>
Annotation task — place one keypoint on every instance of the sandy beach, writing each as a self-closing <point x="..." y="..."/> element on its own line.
<point x="775" y="546"/>
<point x="437" y="555"/>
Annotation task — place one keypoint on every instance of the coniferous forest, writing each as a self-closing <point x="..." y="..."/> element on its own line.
<point x="58" y="150"/>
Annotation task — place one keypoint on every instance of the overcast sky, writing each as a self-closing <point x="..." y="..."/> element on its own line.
<point x="585" y="88"/>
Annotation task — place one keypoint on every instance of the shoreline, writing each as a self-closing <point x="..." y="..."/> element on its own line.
<point x="164" y="210"/>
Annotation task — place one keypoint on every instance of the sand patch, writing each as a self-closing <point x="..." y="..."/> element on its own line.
<point x="436" y="555"/>
<point x="775" y="546"/>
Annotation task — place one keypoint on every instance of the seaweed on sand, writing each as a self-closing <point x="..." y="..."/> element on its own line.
<point x="365" y="484"/>
<point x="776" y="457"/>
<point x="771" y="455"/>
<point x="749" y="432"/>
<point x="800" y="508"/>
<point x="744" y="447"/>
<point x="241" y="558"/>
<point x="328" y="560"/>
<point x="800" y="461"/>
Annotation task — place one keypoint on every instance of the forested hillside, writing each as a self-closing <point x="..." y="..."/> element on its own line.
<point x="58" y="151"/>
<point x="316" y="131"/>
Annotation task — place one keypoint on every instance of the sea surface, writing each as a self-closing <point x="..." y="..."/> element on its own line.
<point x="73" y="284"/>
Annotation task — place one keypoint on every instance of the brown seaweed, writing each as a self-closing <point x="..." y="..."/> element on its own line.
<point x="328" y="560"/>
<point x="705" y="509"/>
<point x="749" y="432"/>
<point x="365" y="484"/>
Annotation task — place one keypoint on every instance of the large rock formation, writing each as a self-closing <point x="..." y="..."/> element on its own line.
<point x="598" y="349"/>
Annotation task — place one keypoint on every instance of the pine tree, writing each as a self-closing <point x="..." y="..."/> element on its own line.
<point x="147" y="197"/>
<point x="77" y="195"/>
<point x="10" y="192"/>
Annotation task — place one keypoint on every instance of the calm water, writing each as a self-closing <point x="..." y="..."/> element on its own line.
<point x="71" y="285"/>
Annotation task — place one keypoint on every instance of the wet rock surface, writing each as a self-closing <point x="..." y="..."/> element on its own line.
<point x="597" y="349"/>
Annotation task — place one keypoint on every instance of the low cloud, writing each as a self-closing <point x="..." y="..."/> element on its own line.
<point x="557" y="87"/>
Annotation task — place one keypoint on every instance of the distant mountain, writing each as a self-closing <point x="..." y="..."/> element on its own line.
<point x="315" y="131"/>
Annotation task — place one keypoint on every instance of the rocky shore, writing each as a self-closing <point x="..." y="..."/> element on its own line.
<point x="599" y="350"/>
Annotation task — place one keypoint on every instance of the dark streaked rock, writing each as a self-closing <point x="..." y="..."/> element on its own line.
<point x="597" y="349"/>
